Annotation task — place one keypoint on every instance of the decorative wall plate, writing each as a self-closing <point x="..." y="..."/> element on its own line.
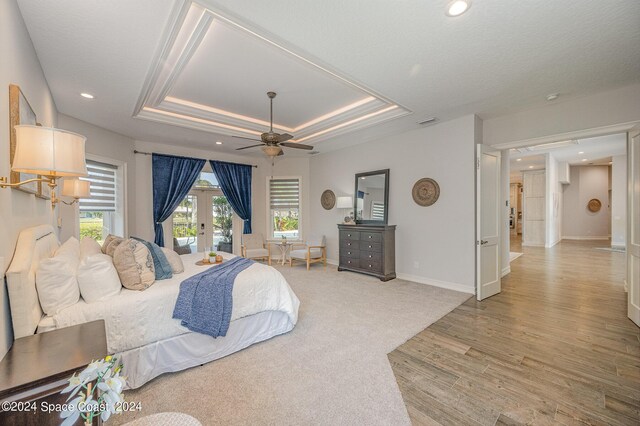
<point x="594" y="205"/>
<point x="425" y="192"/>
<point x="328" y="199"/>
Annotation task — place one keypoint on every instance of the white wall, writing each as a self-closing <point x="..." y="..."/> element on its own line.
<point x="19" y="65"/>
<point x="434" y="244"/>
<point x="284" y="166"/>
<point x="619" y="201"/>
<point x="562" y="116"/>
<point x="553" y="194"/>
<point x="506" y="207"/>
<point x="587" y="182"/>
<point x="110" y="145"/>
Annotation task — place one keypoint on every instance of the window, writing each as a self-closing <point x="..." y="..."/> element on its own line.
<point x="103" y="213"/>
<point x="284" y="207"/>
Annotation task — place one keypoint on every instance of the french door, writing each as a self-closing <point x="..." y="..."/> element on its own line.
<point x="633" y="229"/>
<point x="204" y="221"/>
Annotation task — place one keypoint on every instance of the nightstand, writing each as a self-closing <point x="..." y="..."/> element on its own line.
<point x="37" y="367"/>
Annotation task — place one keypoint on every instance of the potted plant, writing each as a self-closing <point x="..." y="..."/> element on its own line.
<point x="212" y="257"/>
<point x="224" y="222"/>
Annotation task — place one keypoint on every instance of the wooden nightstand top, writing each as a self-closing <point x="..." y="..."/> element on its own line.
<point x="52" y="356"/>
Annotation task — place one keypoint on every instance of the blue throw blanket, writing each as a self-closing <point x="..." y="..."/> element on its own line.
<point x="205" y="300"/>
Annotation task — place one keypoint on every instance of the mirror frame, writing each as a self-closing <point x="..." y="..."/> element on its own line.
<point x="384" y="172"/>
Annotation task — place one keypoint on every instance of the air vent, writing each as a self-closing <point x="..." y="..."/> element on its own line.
<point x="429" y="120"/>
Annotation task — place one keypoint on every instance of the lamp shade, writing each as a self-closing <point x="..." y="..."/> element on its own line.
<point x="76" y="188"/>
<point x="344" y="203"/>
<point x="272" y="151"/>
<point x="49" y="152"/>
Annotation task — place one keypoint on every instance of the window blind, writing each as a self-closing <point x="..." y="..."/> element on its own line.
<point x="284" y="194"/>
<point x="103" y="187"/>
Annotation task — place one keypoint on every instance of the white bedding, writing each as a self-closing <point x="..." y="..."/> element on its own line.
<point x="137" y="318"/>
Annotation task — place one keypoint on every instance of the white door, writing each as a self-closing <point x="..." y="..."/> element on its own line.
<point x="488" y="221"/>
<point x="633" y="228"/>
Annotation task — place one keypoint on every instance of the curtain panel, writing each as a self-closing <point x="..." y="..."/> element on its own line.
<point x="235" y="183"/>
<point x="173" y="178"/>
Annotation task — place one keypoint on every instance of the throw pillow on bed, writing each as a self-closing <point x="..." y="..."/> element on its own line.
<point x="107" y="241"/>
<point x="89" y="246"/>
<point x="113" y="245"/>
<point x="56" y="280"/>
<point x="134" y="264"/>
<point x="160" y="262"/>
<point x="97" y="278"/>
<point x="177" y="267"/>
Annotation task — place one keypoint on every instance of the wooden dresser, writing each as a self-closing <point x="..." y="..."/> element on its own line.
<point x="369" y="249"/>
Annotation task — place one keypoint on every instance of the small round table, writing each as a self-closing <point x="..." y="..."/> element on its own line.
<point x="284" y="248"/>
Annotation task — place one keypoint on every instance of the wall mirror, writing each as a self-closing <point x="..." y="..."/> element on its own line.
<point x="371" y="200"/>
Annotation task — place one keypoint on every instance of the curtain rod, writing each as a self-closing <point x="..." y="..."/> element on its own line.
<point x="135" y="151"/>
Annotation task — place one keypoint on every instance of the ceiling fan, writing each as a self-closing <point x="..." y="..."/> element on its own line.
<point x="271" y="142"/>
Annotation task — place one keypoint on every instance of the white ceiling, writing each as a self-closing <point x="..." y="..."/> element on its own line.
<point x="595" y="151"/>
<point x="498" y="57"/>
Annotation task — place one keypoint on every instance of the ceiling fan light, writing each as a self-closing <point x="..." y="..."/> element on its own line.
<point x="271" y="151"/>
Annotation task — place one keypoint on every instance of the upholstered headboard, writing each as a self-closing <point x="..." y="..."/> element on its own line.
<point x="34" y="244"/>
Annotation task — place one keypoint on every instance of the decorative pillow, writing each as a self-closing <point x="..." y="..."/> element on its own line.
<point x="134" y="264"/>
<point x="56" y="278"/>
<point x="177" y="267"/>
<point x="70" y="247"/>
<point x="160" y="262"/>
<point x="111" y="248"/>
<point x="107" y="241"/>
<point x="89" y="246"/>
<point x="97" y="278"/>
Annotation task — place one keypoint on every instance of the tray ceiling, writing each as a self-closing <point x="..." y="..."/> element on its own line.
<point x="214" y="73"/>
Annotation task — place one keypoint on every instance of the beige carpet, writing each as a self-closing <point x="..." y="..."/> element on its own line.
<point x="331" y="369"/>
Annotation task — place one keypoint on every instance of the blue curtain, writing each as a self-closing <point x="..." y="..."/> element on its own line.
<point x="173" y="178"/>
<point x="235" y="183"/>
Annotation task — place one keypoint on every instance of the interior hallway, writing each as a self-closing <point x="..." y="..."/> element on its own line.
<point x="555" y="347"/>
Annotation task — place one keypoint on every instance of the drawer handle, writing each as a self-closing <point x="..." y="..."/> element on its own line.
<point x="369" y="236"/>
<point x="369" y="246"/>
<point x="369" y="256"/>
<point x="348" y="244"/>
<point x="348" y="261"/>
<point x="348" y="235"/>
<point x="348" y="252"/>
<point x="369" y="266"/>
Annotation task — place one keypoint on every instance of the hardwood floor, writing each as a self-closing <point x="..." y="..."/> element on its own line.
<point x="555" y="347"/>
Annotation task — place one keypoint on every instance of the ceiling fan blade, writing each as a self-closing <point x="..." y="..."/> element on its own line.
<point x="284" y="137"/>
<point x="249" y="139"/>
<point x="296" y="145"/>
<point x="247" y="147"/>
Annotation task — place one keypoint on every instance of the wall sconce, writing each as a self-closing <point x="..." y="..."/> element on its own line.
<point x="51" y="153"/>
<point x="76" y="189"/>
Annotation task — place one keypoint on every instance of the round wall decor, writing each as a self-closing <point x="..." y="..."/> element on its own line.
<point x="328" y="199"/>
<point x="425" y="192"/>
<point x="594" y="205"/>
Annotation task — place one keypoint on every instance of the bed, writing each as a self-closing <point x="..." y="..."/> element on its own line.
<point x="139" y="324"/>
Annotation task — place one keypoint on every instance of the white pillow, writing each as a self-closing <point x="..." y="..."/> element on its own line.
<point x="56" y="279"/>
<point x="71" y="247"/>
<point x="177" y="267"/>
<point x="89" y="246"/>
<point x="98" y="278"/>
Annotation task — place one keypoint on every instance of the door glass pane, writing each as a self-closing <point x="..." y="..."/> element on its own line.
<point x="222" y="224"/>
<point x="185" y="226"/>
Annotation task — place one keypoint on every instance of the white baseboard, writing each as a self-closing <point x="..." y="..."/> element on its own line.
<point x="585" y="238"/>
<point x="423" y="280"/>
<point x="552" y="244"/>
<point x="505" y="271"/>
<point x="533" y="244"/>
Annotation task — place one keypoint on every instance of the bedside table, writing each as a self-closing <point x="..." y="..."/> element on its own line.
<point x="37" y="368"/>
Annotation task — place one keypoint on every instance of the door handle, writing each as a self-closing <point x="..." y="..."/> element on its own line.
<point x="483" y="242"/>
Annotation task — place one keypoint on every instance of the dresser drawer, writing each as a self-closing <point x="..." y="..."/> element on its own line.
<point x="349" y="235"/>
<point x="370" y="266"/>
<point x="349" y="262"/>
<point x="349" y="244"/>
<point x="375" y="237"/>
<point x="370" y="256"/>
<point x="367" y="246"/>
<point x="349" y="252"/>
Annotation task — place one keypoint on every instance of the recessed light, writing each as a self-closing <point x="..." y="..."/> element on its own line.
<point x="457" y="7"/>
<point x="610" y="162"/>
<point x="87" y="95"/>
<point x="218" y="143"/>
<point x="581" y="152"/>
<point x="552" y="96"/>
<point x="584" y="159"/>
<point x="531" y="167"/>
<point x="518" y="159"/>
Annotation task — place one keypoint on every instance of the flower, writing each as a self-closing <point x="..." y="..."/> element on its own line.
<point x="75" y="384"/>
<point x="91" y="372"/>
<point x="72" y="413"/>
